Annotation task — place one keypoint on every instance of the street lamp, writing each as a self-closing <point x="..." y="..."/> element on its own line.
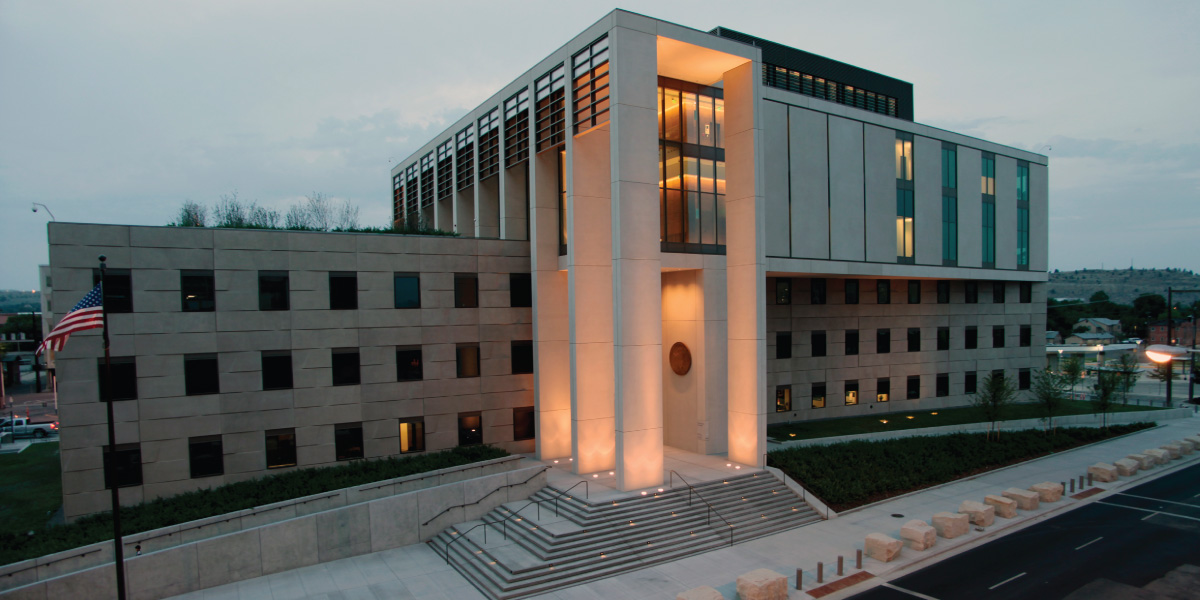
<point x="1171" y="338"/>
<point x="1165" y="354"/>
<point x="37" y="204"/>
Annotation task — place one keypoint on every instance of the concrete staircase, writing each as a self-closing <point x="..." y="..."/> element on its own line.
<point x="509" y="555"/>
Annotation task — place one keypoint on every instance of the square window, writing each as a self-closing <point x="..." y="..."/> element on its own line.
<point x="818" y="343"/>
<point x="124" y="378"/>
<point x="971" y="337"/>
<point x="466" y="290"/>
<point x="851" y="393"/>
<point x="205" y="456"/>
<point x="343" y="290"/>
<point x="467" y="356"/>
<point x="348" y="441"/>
<point x="522" y="356"/>
<point x="816" y="293"/>
<point x="818" y="395"/>
<point x="943" y="385"/>
<point x="345" y="366"/>
<point x="914" y="387"/>
<point x="943" y="292"/>
<point x="412" y="435"/>
<point x="407" y="289"/>
<point x="971" y="292"/>
<point x="998" y="292"/>
<point x="277" y="370"/>
<point x="914" y="291"/>
<point x="914" y="339"/>
<point x="969" y="381"/>
<point x="520" y="289"/>
<point x="783" y="344"/>
<point x="943" y="339"/>
<point x="1026" y="292"/>
<point x="118" y="290"/>
<point x="883" y="341"/>
<point x="409" y="363"/>
<point x="197" y="291"/>
<point x="851" y="291"/>
<point x="883" y="291"/>
<point x="851" y="342"/>
<point x="123" y="466"/>
<point x="1023" y="379"/>
<point x="523" y="423"/>
<point x="883" y="390"/>
<point x="783" y="290"/>
<point x="470" y="429"/>
<point x="783" y="398"/>
<point x="1026" y="336"/>
<point x="200" y="375"/>
<point x="273" y="290"/>
<point x="280" y="448"/>
<point x="997" y="336"/>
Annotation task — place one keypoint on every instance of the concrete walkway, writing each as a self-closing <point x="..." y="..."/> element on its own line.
<point x="417" y="572"/>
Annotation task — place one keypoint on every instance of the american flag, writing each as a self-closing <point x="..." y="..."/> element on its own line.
<point x="88" y="314"/>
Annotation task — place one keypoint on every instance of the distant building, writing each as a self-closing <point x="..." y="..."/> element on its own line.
<point x="1053" y="337"/>
<point x="1090" y="339"/>
<point x="1100" y="325"/>
<point x="1183" y="332"/>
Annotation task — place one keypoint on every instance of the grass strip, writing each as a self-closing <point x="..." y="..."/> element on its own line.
<point x="30" y="487"/>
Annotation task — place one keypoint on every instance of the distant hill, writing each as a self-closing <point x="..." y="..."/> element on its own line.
<point x="1121" y="285"/>
<point x="12" y="301"/>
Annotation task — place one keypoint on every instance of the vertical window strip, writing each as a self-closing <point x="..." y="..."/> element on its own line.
<point x="427" y="172"/>
<point x="464" y="146"/>
<point x="412" y="185"/>
<point x="590" y="86"/>
<point x="550" y="108"/>
<point x="818" y="87"/>
<point x="445" y="169"/>
<point x="489" y="144"/>
<point x="398" y="197"/>
<point x="516" y="128"/>
<point x="949" y="228"/>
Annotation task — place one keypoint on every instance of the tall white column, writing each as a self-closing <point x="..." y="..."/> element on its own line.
<point x="551" y="334"/>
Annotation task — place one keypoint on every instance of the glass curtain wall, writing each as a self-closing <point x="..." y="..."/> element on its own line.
<point x="692" y="169"/>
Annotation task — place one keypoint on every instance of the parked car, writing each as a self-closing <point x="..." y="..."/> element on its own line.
<point x="21" y="427"/>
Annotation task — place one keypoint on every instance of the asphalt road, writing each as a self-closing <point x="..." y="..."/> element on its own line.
<point x="1133" y="538"/>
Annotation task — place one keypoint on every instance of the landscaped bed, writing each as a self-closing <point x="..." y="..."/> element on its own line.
<point x="163" y="512"/>
<point x="851" y="474"/>
<point x="897" y="421"/>
<point x="30" y="487"/>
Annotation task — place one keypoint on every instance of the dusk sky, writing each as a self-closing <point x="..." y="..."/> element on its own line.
<point x="116" y="112"/>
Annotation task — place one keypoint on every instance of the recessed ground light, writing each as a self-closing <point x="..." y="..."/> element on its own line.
<point x="643" y="493"/>
<point x="791" y="434"/>
<point x="594" y="475"/>
<point x="884" y="421"/>
<point x="933" y="413"/>
<point x="729" y="464"/>
<point x="660" y="489"/>
<point x="611" y="473"/>
<point x="556" y="462"/>
<point x="738" y="467"/>
<point x="910" y="417"/>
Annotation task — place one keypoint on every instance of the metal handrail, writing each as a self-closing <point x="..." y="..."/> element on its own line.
<point x="465" y="504"/>
<point x="711" y="510"/>
<point x="586" y="493"/>
<point x="503" y="523"/>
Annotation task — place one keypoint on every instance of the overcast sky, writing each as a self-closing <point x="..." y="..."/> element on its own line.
<point x="116" y="112"/>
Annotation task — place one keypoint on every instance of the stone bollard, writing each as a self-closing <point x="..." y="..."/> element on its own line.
<point x="1173" y="450"/>
<point x="762" y="584"/>
<point x="1103" y="472"/>
<point x="701" y="593"/>
<point x="919" y="534"/>
<point x="951" y="525"/>
<point x="1026" y="500"/>
<point x="1126" y="467"/>
<point x="883" y="548"/>
<point x="1005" y="507"/>
<point x="981" y="514"/>
<point x="1144" y="461"/>
<point x="1047" y="491"/>
<point x="1186" y="446"/>
<point x="1159" y="455"/>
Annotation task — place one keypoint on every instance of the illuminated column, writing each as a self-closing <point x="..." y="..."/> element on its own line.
<point x="745" y="269"/>
<point x="551" y="349"/>
<point x="636" y="266"/>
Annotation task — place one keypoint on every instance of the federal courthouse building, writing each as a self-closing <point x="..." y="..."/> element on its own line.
<point x="666" y="237"/>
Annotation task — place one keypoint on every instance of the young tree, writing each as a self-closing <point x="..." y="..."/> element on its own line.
<point x="191" y="214"/>
<point x="1103" y="392"/>
<point x="1050" y="392"/>
<point x="346" y="216"/>
<point x="1072" y="370"/>
<point x="1127" y="365"/>
<point x="993" y="398"/>
<point x="320" y="211"/>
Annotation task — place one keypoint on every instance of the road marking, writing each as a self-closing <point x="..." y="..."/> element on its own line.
<point x="1154" y="512"/>
<point x="1158" y="499"/>
<point x="1149" y="515"/>
<point x="1006" y="581"/>
<point x="1091" y="542"/>
<point x="909" y="592"/>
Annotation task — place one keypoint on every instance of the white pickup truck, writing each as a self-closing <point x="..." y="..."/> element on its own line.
<point x="21" y="427"/>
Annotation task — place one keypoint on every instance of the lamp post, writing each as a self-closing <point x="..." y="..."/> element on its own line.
<point x="1171" y="342"/>
<point x="1165" y="354"/>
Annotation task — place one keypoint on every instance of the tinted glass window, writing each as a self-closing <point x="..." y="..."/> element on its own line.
<point x="943" y="292"/>
<point x="883" y="390"/>
<point x="522" y="356"/>
<point x="914" y="387"/>
<point x="345" y="366"/>
<point x="277" y="370"/>
<point x="817" y="291"/>
<point x="467" y="357"/>
<point x="409" y="364"/>
<point x="407" y="290"/>
<point x="997" y="336"/>
<point x="783" y="344"/>
<point x="852" y="342"/>
<point x="124" y="378"/>
<point x="466" y="290"/>
<point x="969" y="382"/>
<point x="818" y="343"/>
<point x="851" y="291"/>
<point x="914" y="339"/>
<point x="280" y="448"/>
<point x="273" y="290"/>
<point x="943" y="339"/>
<point x="197" y="291"/>
<point x="914" y="292"/>
<point x="200" y="374"/>
<point x="883" y="291"/>
<point x="343" y="291"/>
<point x="971" y="292"/>
<point x="205" y="456"/>
<point x="783" y="291"/>
<point x="412" y="435"/>
<point x="124" y="466"/>
<point x="470" y="429"/>
<point x="520" y="289"/>
<point x="971" y="337"/>
<point x="348" y="441"/>
<point x="523" y="424"/>
<point x="943" y="385"/>
<point x="883" y="341"/>
<point x="118" y="290"/>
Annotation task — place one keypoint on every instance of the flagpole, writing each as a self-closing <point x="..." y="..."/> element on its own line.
<point x="118" y="547"/>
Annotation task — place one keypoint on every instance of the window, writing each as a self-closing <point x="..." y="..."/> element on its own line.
<point x="783" y="291"/>
<point x="851" y="291"/>
<point x="412" y="201"/>
<point x="470" y="429"/>
<point x="783" y="398"/>
<point x="523" y="423"/>
<point x="851" y="342"/>
<point x="1022" y="215"/>
<point x="124" y="378"/>
<point x="466" y="290"/>
<point x="943" y="385"/>
<point x="969" y="382"/>
<point x="943" y="338"/>
<point x="692" y="199"/>
<point x="412" y="435"/>
<point x="348" y="441"/>
<point x="123" y="466"/>
<point x="914" y="339"/>
<point x="408" y="363"/>
<point x="281" y="448"/>
<point x="522" y="356"/>
<point x="277" y="370"/>
<point x="989" y="235"/>
<point x="914" y="291"/>
<point x="783" y="344"/>
<point x="816" y="293"/>
<point x="1026" y="291"/>
<point x="818" y="395"/>
<point x="550" y="108"/>
<point x="949" y="230"/>
<point x="205" y="456"/>
<point x="971" y="292"/>
<point x="398" y="198"/>
<point x="273" y="290"/>
<point x="427" y="173"/>
<point x="817" y="341"/>
<point x="949" y="166"/>
<point x="998" y="292"/>
<point x="467" y="358"/>
<point x="914" y="387"/>
<point x="825" y="89"/>
<point x="445" y="169"/>
<point x="489" y="144"/>
<point x="883" y="341"/>
<point x="516" y="128"/>
<point x="971" y="337"/>
<point x="561" y="165"/>
<point x="590" y="86"/>
<point x="407" y="288"/>
<point x="904" y="156"/>
<point x="1026" y="336"/>
<point x="904" y="197"/>
<point x="200" y="376"/>
<point x="345" y="366"/>
<point x="197" y="291"/>
<point x="343" y="290"/>
<point x="883" y="291"/>
<point x="883" y="389"/>
<point x="851" y="393"/>
<point x="118" y="289"/>
<point x="1023" y="379"/>
<point x="988" y="175"/>
<point x="997" y="336"/>
<point x="464" y="146"/>
<point x="520" y="289"/>
<point x="943" y="292"/>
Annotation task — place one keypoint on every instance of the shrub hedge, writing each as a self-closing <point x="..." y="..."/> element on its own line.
<point x="242" y="495"/>
<point x="851" y="474"/>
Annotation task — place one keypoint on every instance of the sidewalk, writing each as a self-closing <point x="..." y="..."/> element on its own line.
<point x="417" y="572"/>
